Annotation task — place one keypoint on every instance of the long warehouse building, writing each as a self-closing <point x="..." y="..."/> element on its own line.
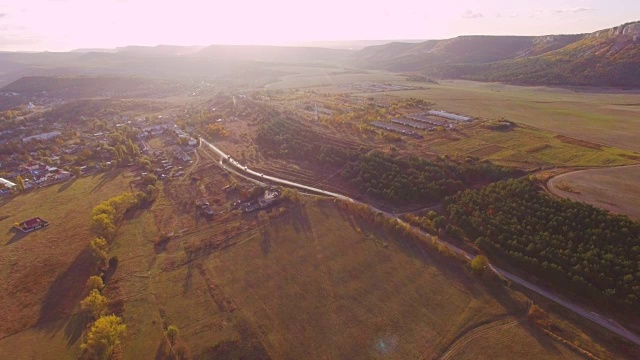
<point x="446" y="115"/>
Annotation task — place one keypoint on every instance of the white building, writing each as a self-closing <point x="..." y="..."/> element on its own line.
<point x="7" y="183"/>
<point x="450" y="116"/>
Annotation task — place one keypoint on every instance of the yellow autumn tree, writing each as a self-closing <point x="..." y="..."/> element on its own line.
<point x="95" y="282"/>
<point x="100" y="249"/>
<point x="104" y="336"/>
<point x="95" y="302"/>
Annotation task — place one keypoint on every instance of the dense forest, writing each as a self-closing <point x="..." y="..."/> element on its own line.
<point x="569" y="244"/>
<point x="419" y="180"/>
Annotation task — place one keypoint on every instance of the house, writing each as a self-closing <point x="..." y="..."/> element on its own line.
<point x="32" y="224"/>
<point x="204" y="208"/>
<point x="180" y="154"/>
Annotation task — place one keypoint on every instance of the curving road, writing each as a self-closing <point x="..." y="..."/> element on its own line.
<point x="597" y="318"/>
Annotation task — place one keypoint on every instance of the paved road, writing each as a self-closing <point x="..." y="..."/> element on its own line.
<point x="597" y="318"/>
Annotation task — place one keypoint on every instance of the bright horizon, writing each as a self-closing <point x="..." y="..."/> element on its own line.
<point x="62" y="25"/>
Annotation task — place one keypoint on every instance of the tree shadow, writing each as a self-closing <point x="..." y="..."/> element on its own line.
<point x="110" y="271"/>
<point x="67" y="184"/>
<point x="265" y="242"/>
<point x="300" y="220"/>
<point x="186" y="286"/>
<point x="75" y="327"/>
<point x="67" y="289"/>
<point x="105" y="178"/>
<point x="162" y="350"/>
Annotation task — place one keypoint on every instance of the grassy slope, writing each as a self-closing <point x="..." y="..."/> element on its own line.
<point x="616" y="190"/>
<point x="314" y="283"/>
<point x="43" y="273"/>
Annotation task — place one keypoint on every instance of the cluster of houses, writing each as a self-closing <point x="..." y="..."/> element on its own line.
<point x="270" y="198"/>
<point x="36" y="174"/>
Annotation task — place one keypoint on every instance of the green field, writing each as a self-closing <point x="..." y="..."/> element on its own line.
<point x="314" y="283"/>
<point x="42" y="274"/>
<point x="616" y="190"/>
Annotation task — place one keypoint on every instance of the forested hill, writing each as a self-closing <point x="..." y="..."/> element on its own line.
<point x="604" y="58"/>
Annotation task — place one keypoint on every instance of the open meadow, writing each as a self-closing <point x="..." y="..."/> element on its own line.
<point x="42" y="273"/>
<point x="312" y="283"/>
<point x="615" y="189"/>
<point x="525" y="147"/>
<point x="608" y="118"/>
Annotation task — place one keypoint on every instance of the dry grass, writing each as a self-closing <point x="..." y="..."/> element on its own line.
<point x="520" y="341"/>
<point x="42" y="274"/>
<point x="616" y="189"/>
<point x="314" y="283"/>
<point x="528" y="147"/>
<point x="318" y="284"/>
<point x="608" y="118"/>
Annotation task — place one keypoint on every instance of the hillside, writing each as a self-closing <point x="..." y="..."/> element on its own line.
<point x="603" y="58"/>
<point x="42" y="90"/>
<point x="461" y="50"/>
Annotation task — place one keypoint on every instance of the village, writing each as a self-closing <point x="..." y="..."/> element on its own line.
<point x="41" y="152"/>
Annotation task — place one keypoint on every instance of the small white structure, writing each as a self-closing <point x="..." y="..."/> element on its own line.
<point x="7" y="183"/>
<point x="45" y="136"/>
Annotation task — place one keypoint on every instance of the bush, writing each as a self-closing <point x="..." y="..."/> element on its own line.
<point x="479" y="264"/>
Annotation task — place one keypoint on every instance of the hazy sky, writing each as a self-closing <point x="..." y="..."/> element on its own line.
<point x="69" y="24"/>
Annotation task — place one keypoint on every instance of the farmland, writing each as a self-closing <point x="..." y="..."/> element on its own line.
<point x="614" y="189"/>
<point x="45" y="270"/>
<point x="527" y="147"/>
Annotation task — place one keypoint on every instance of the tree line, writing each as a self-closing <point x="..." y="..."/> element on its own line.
<point x="419" y="180"/>
<point x="569" y="244"/>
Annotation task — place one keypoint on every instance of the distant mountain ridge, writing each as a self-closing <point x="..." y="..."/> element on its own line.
<point x="609" y="57"/>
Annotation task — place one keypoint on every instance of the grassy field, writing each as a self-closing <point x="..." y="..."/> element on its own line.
<point x="616" y="189"/>
<point x="313" y="283"/>
<point x="42" y="274"/>
<point x="609" y="118"/>
<point x="328" y="77"/>
<point x="526" y="147"/>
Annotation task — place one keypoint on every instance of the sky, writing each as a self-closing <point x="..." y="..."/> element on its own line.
<point x="61" y="25"/>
